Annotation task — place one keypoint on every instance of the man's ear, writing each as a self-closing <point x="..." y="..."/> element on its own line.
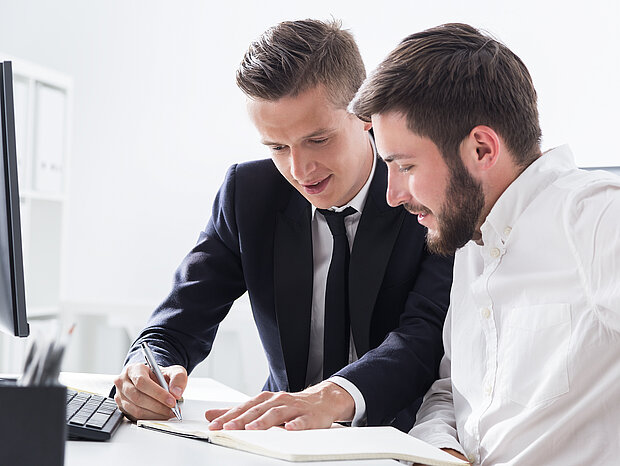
<point x="481" y="148"/>
<point x="367" y="124"/>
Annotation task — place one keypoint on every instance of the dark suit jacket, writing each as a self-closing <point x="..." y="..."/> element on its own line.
<point x="259" y="239"/>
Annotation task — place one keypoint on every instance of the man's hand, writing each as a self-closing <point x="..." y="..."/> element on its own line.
<point x="314" y="408"/>
<point x="452" y="452"/>
<point x="139" y="396"/>
<point x="455" y="453"/>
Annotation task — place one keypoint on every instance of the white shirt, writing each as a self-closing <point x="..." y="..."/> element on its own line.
<point x="531" y="372"/>
<point x="322" y="248"/>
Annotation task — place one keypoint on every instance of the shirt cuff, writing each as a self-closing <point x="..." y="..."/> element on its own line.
<point x="359" y="418"/>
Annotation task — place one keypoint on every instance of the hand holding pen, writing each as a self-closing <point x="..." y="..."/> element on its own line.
<point x="150" y="360"/>
<point x="140" y="395"/>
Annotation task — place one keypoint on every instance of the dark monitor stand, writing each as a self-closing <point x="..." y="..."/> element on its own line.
<point x="12" y="297"/>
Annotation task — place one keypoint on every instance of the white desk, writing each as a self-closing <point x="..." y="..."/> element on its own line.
<point x="131" y="445"/>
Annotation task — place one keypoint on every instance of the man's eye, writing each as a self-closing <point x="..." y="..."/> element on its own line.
<point x="405" y="169"/>
<point x="318" y="141"/>
<point x="278" y="148"/>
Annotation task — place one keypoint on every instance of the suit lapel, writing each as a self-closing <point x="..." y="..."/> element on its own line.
<point x="293" y="277"/>
<point x="374" y="240"/>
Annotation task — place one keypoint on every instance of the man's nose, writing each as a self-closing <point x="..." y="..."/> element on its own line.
<point x="397" y="191"/>
<point x="301" y="165"/>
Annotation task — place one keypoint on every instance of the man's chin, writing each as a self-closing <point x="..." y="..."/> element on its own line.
<point x="433" y="241"/>
<point x="436" y="244"/>
<point x="319" y="203"/>
<point x="445" y="246"/>
<point x="437" y="247"/>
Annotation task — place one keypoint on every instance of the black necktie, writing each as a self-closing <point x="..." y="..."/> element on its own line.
<point x="336" y="329"/>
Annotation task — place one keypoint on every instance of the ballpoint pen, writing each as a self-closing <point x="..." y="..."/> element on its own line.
<point x="150" y="360"/>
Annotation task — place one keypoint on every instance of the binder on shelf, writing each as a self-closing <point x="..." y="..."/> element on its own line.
<point x="49" y="140"/>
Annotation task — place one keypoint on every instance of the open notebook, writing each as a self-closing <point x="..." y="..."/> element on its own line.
<point x="350" y="443"/>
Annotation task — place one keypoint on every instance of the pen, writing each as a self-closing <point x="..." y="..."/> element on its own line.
<point x="150" y="360"/>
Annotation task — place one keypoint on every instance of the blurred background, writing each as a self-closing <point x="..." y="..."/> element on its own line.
<point x="128" y="117"/>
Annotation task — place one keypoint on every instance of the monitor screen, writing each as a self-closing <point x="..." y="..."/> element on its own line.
<point x="614" y="170"/>
<point x="12" y="297"/>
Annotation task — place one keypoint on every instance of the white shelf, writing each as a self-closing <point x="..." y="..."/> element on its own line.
<point x="41" y="196"/>
<point x="43" y="312"/>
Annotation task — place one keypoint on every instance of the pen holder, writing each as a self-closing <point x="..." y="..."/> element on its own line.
<point x="32" y="424"/>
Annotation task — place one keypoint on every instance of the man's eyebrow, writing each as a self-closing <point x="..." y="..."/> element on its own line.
<point x="397" y="156"/>
<point x="319" y="132"/>
<point x="313" y="134"/>
<point x="269" y="143"/>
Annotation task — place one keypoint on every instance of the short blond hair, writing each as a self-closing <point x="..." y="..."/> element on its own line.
<point x="294" y="56"/>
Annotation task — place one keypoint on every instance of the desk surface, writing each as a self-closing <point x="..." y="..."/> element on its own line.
<point x="133" y="445"/>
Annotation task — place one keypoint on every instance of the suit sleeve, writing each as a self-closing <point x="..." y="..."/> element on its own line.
<point x="395" y="374"/>
<point x="182" y="329"/>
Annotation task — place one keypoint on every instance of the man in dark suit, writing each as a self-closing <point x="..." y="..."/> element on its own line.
<point x="348" y="302"/>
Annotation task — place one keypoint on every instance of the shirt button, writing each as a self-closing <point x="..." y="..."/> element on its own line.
<point x="495" y="253"/>
<point x="488" y="389"/>
<point x="486" y="312"/>
<point x="507" y="231"/>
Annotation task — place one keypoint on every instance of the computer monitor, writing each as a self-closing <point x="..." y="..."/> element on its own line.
<point x="614" y="170"/>
<point x="12" y="297"/>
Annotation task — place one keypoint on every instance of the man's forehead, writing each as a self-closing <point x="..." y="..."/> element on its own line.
<point x="292" y="119"/>
<point x="392" y="136"/>
<point x="396" y="143"/>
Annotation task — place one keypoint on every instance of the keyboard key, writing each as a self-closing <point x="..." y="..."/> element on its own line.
<point x="98" y="420"/>
<point x="78" y="420"/>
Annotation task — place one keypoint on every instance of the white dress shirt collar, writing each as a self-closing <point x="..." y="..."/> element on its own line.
<point x="523" y="190"/>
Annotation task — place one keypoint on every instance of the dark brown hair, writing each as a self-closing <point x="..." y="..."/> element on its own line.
<point x="449" y="79"/>
<point x="294" y="56"/>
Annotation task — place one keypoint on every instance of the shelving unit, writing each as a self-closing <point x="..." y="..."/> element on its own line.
<point x="43" y="103"/>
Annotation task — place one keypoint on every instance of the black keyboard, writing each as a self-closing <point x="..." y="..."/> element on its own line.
<point x="91" y="417"/>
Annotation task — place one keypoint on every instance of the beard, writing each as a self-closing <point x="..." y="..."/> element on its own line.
<point x="459" y="215"/>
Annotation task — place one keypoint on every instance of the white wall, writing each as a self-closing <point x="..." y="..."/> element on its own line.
<point x="158" y="118"/>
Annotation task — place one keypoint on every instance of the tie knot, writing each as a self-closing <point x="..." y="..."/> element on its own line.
<point x="335" y="220"/>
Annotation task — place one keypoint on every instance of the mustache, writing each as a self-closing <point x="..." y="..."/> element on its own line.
<point x="416" y="209"/>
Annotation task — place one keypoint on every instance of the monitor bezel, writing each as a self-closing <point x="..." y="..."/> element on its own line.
<point x="9" y="162"/>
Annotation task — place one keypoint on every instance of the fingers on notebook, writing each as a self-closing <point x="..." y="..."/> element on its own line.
<point x="301" y="423"/>
<point x="232" y="418"/>
<point x="212" y="414"/>
<point x="293" y="411"/>
<point x="275" y="416"/>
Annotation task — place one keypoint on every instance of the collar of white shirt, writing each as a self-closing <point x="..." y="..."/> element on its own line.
<point x="523" y="190"/>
